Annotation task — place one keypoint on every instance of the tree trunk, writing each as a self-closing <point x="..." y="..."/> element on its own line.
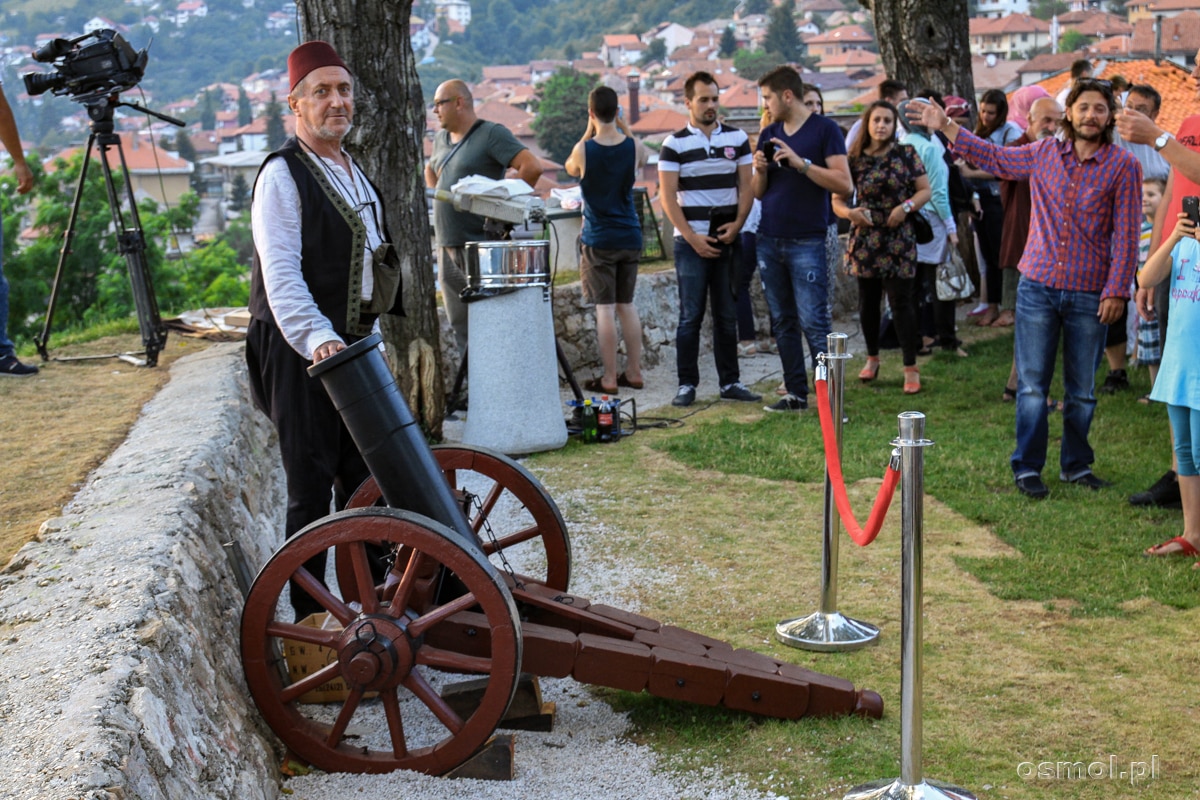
<point x="387" y="141"/>
<point x="925" y="44"/>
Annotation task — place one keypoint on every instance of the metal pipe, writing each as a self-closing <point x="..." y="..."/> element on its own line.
<point x="392" y="444"/>
<point x="835" y="357"/>
<point x="912" y="494"/>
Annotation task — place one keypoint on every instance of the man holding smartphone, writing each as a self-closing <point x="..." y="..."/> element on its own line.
<point x="801" y="159"/>
<point x="704" y="180"/>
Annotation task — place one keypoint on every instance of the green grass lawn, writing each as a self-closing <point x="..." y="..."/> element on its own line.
<point x="1078" y="547"/>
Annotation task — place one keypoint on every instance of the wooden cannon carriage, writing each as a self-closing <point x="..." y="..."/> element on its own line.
<point x="427" y="588"/>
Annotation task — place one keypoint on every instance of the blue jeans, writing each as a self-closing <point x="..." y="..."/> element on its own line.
<point x="6" y="346"/>
<point x="703" y="280"/>
<point x="796" y="282"/>
<point x="1043" y="315"/>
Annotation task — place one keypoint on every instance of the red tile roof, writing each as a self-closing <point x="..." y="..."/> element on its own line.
<point x="1173" y="82"/>
<point x="1180" y="34"/>
<point x="846" y="33"/>
<point x="662" y="120"/>
<point x="1013" y="23"/>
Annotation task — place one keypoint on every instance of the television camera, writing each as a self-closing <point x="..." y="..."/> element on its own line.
<point x="88" y="68"/>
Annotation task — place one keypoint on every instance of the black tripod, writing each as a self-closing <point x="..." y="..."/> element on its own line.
<point x="131" y="241"/>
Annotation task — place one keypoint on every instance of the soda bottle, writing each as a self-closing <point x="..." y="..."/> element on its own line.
<point x="616" y="419"/>
<point x="590" y="433"/>
<point x="604" y="419"/>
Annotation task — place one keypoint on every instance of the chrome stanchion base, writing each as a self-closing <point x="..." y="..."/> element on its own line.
<point x="826" y="632"/>
<point x="897" y="790"/>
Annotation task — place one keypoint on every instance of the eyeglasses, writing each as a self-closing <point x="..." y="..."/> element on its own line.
<point x="443" y="101"/>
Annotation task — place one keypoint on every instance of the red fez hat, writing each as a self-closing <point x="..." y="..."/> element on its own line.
<point x="309" y="56"/>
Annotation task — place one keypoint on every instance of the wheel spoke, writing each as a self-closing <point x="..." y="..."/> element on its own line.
<point x="505" y="542"/>
<point x="322" y="595"/>
<point x="451" y="661"/>
<point x="343" y="717"/>
<point x="303" y="633"/>
<point x="490" y="501"/>
<point x="323" y="675"/>
<point x="391" y="709"/>
<point x="426" y="621"/>
<point x="403" y="593"/>
<point x="416" y="683"/>
<point x="368" y="596"/>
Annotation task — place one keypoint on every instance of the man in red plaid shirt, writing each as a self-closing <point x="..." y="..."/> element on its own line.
<point x="1076" y="271"/>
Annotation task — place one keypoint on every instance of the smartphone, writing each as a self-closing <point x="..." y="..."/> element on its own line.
<point x="768" y="149"/>
<point x="1191" y="207"/>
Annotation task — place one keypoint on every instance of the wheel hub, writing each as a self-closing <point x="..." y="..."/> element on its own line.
<point x="375" y="653"/>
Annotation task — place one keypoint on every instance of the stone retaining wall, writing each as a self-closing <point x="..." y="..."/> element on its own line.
<point x="120" y="674"/>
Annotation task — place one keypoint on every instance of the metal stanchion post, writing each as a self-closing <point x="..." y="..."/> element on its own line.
<point x="827" y="629"/>
<point x="911" y="785"/>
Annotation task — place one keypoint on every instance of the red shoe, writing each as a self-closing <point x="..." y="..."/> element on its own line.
<point x="871" y="371"/>
<point x="912" y="380"/>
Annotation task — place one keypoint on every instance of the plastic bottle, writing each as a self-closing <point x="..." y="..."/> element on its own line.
<point x="604" y="419"/>
<point x="616" y="419"/>
<point x="590" y="433"/>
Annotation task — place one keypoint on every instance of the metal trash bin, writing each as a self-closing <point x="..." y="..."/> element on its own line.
<point x="514" y="404"/>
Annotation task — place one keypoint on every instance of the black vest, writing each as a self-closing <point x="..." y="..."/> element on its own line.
<point x="333" y="239"/>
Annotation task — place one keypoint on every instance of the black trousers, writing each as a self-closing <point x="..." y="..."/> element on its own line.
<point x="902" y="297"/>
<point x="320" y="459"/>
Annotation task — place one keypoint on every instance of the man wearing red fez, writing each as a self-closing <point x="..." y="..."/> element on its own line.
<point x="323" y="272"/>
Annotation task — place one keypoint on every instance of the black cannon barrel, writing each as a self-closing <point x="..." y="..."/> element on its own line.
<point x="379" y="420"/>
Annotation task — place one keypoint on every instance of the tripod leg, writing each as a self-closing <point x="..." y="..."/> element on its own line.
<point x="132" y="243"/>
<point x="42" y="340"/>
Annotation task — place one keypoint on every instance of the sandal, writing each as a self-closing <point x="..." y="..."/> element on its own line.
<point x="594" y="385"/>
<point x="871" y="371"/>
<point x="1185" y="548"/>
<point x="624" y="381"/>
<point x="1009" y="394"/>
<point x="1144" y="399"/>
<point x="912" y="380"/>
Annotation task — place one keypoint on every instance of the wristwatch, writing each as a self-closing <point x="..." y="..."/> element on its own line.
<point x="807" y="164"/>
<point x="1162" y="140"/>
<point x="907" y="205"/>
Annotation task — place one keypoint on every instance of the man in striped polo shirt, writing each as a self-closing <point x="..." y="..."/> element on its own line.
<point x="704" y="180"/>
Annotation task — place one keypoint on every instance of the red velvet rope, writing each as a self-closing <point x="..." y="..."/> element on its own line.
<point x="833" y="462"/>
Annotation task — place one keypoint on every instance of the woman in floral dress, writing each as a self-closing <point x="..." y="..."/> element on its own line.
<point x="890" y="186"/>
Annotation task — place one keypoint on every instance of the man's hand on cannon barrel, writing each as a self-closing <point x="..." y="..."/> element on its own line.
<point x="327" y="349"/>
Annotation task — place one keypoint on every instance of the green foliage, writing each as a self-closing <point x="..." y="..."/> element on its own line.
<point x="239" y="193"/>
<point x="1073" y="40"/>
<point x="729" y="43"/>
<point x="756" y="6"/>
<point x="655" y="51"/>
<point x="753" y="64"/>
<point x="562" y="111"/>
<point x="239" y="236"/>
<point x="782" y="36"/>
<point x="276" y="133"/>
<point x="245" y="115"/>
<point x="1045" y="9"/>
<point x="208" y="111"/>
<point x="184" y="146"/>
<point x="95" y="279"/>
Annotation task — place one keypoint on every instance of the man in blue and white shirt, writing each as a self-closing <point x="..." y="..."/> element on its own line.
<point x="704" y="178"/>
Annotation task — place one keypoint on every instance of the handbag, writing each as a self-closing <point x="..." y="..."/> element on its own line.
<point x="953" y="282"/>
<point x="922" y="228"/>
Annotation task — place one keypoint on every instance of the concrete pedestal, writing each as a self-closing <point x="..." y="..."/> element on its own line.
<point x="513" y="374"/>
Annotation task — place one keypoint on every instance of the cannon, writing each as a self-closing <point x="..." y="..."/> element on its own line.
<point x="427" y="591"/>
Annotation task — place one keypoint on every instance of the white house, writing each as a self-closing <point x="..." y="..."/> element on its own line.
<point x="455" y="10"/>
<point x="673" y="35"/>
<point x="995" y="9"/>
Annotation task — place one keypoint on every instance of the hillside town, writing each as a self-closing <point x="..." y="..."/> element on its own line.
<point x="1152" y="42"/>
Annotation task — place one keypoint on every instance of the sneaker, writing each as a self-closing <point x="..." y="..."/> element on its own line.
<point x="1164" y="493"/>
<point x="1114" y="382"/>
<point x="685" y="396"/>
<point x="746" y="349"/>
<point x="736" y="391"/>
<point x="1032" y="486"/>
<point x="788" y="403"/>
<point x="1087" y="479"/>
<point x="11" y="368"/>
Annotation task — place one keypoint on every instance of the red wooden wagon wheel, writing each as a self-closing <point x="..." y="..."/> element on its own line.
<point x="378" y="645"/>
<point x="485" y="480"/>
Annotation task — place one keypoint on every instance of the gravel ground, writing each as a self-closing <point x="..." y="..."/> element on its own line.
<point x="588" y="755"/>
